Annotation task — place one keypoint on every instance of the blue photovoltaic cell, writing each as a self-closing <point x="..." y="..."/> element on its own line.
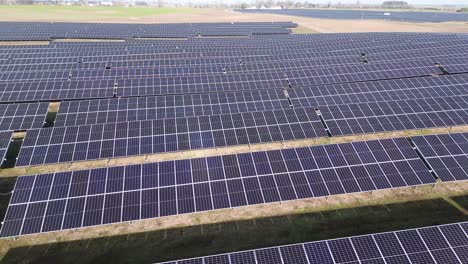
<point x="125" y="193"/>
<point x="15" y="31"/>
<point x="358" y="73"/>
<point x="22" y="116"/>
<point x="379" y="91"/>
<point x="376" y="117"/>
<point x="437" y="244"/>
<point x="447" y="154"/>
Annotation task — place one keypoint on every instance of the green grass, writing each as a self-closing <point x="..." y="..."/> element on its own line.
<point x="82" y="13"/>
<point x="240" y="235"/>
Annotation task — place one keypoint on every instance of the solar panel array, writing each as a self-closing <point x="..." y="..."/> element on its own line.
<point x="408" y="16"/>
<point x="5" y="138"/>
<point x="73" y="113"/>
<point x="446" y="154"/>
<point x="384" y="116"/>
<point x="379" y="91"/>
<point x="88" y="142"/>
<point x="46" y="31"/>
<point x="56" y="201"/>
<point x="22" y="116"/>
<point x="439" y="244"/>
<point x="70" y="71"/>
<point x="344" y="74"/>
<point x="145" y="96"/>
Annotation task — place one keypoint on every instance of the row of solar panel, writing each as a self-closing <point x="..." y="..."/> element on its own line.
<point x="209" y="69"/>
<point x="125" y="49"/>
<point x="48" y="202"/>
<point x="87" y="142"/>
<point x="444" y="104"/>
<point x="96" y="111"/>
<point x="155" y="54"/>
<point x="240" y="55"/>
<point x="41" y="31"/>
<point x="34" y="91"/>
<point x="439" y="244"/>
<point x="22" y="116"/>
<point x="25" y="36"/>
<point x="453" y="66"/>
<point x="396" y="115"/>
<point x="64" y="144"/>
<point x="73" y="113"/>
<point x="314" y="70"/>
<point x="365" y="42"/>
<point x="43" y="203"/>
<point x="74" y="64"/>
<point x="156" y="107"/>
<point x="18" y="116"/>
<point x="184" y="62"/>
<point x="177" y="58"/>
<point x="202" y="59"/>
<point x="383" y="90"/>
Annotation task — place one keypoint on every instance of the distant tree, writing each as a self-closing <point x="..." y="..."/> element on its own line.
<point x="141" y="3"/>
<point x="465" y="9"/>
<point x="260" y="3"/>
<point x="395" y="4"/>
<point x="243" y="6"/>
<point x="24" y="2"/>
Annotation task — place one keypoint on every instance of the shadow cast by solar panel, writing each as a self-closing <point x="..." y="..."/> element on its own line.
<point x="6" y="186"/>
<point x="178" y="243"/>
<point x="12" y="153"/>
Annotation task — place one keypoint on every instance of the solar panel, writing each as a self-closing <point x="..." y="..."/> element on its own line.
<point x="46" y="31"/>
<point x="200" y="84"/>
<point x="447" y="154"/>
<point x="436" y="244"/>
<point x="22" y="116"/>
<point x="293" y="64"/>
<point x="88" y="142"/>
<point x="87" y="112"/>
<point x="436" y="53"/>
<point x="55" y="90"/>
<point x="377" y="91"/>
<point x="5" y="138"/>
<point x="355" y="73"/>
<point x="86" y="74"/>
<point x="48" y="202"/>
<point x="395" y="115"/>
<point x="455" y="64"/>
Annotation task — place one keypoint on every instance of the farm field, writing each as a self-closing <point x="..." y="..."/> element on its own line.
<point x="83" y="13"/>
